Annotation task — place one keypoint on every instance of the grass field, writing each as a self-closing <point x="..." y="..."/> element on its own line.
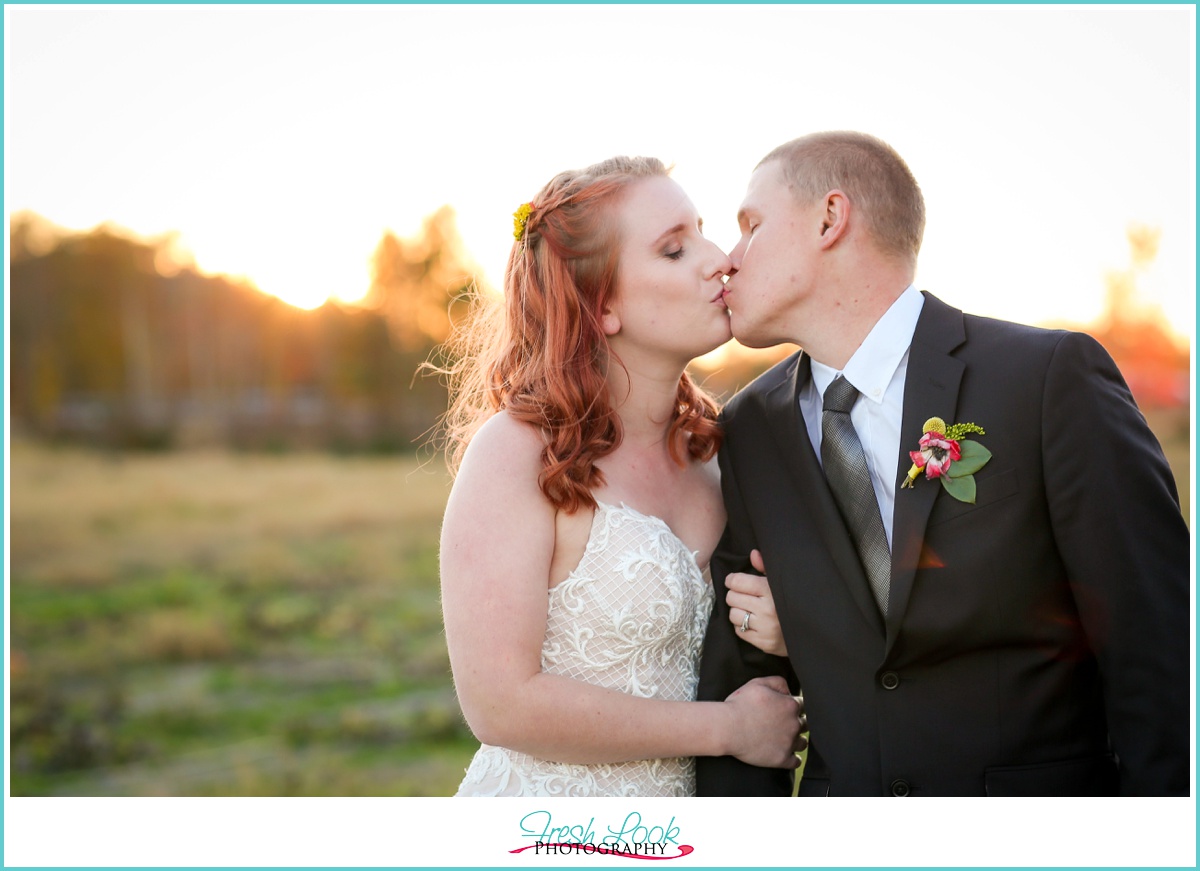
<point x="219" y="624"/>
<point x="225" y="624"/>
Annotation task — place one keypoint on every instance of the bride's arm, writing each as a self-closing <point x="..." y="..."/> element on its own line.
<point x="497" y="544"/>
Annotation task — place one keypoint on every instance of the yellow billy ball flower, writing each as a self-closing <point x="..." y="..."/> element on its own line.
<point x="520" y="216"/>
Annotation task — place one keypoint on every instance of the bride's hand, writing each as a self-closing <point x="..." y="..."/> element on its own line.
<point x="766" y="724"/>
<point x="750" y="594"/>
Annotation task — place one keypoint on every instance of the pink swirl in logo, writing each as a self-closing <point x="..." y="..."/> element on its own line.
<point x="594" y="849"/>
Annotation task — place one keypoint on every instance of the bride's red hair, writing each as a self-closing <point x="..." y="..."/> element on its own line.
<point x="541" y="353"/>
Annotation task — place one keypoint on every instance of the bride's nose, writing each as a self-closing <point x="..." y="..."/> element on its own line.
<point x="722" y="265"/>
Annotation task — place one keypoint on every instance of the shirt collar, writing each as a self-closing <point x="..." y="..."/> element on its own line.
<point x="872" y="366"/>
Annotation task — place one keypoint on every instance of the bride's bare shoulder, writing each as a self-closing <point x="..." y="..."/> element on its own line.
<point x="503" y="435"/>
<point x="506" y="451"/>
<point x="496" y="503"/>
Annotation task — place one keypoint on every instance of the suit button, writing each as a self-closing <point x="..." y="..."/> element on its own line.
<point x="900" y="787"/>
<point x="889" y="680"/>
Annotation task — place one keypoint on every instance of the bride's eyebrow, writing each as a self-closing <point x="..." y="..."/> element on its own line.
<point x="678" y="228"/>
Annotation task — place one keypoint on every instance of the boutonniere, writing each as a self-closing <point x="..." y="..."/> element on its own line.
<point x="946" y="455"/>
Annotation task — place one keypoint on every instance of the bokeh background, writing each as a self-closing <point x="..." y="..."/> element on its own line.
<point x="235" y="234"/>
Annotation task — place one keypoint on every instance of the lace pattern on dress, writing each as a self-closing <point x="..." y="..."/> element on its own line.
<point x="630" y="617"/>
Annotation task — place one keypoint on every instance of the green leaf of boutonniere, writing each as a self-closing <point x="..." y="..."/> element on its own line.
<point x="962" y="489"/>
<point x="974" y="457"/>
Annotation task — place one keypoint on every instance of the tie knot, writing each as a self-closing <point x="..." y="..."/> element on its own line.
<point x="840" y="395"/>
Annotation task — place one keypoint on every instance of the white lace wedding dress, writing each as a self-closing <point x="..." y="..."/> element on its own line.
<point x="631" y="617"/>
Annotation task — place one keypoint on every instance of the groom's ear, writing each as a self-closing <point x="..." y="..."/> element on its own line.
<point x="835" y="218"/>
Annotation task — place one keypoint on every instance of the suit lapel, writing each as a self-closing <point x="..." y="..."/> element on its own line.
<point x="931" y="389"/>
<point x="787" y="427"/>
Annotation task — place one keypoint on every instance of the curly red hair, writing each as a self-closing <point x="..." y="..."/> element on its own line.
<point x="543" y="358"/>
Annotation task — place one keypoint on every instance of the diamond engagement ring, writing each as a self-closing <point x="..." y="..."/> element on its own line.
<point x="745" y="623"/>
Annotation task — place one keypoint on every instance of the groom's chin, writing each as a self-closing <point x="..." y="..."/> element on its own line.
<point x="752" y="335"/>
<point x="750" y="339"/>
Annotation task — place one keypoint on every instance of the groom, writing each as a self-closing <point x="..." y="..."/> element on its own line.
<point x="1021" y="631"/>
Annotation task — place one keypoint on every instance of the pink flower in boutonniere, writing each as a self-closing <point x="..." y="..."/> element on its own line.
<point x="947" y="456"/>
<point x="936" y="454"/>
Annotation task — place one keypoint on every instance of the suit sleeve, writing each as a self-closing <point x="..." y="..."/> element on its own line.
<point x="727" y="661"/>
<point x="1117" y="524"/>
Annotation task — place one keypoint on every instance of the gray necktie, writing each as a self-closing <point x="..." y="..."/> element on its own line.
<point x="846" y="470"/>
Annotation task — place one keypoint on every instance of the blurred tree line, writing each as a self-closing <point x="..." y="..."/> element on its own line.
<point x="114" y="344"/>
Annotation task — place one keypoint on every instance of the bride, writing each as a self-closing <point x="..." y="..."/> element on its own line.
<point x="587" y="502"/>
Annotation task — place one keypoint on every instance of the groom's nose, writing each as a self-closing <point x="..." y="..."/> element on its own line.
<point x="735" y="257"/>
<point x="735" y="262"/>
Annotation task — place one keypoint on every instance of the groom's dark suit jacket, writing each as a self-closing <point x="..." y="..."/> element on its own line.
<point x="1037" y="641"/>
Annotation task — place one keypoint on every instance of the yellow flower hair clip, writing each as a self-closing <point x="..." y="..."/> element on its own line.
<point x="520" y="216"/>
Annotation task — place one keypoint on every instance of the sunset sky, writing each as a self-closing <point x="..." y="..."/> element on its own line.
<point x="281" y="142"/>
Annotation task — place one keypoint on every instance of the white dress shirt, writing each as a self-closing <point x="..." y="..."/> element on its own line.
<point x="878" y="371"/>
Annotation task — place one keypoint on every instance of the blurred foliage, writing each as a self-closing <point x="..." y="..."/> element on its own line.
<point x="1154" y="361"/>
<point x="114" y="344"/>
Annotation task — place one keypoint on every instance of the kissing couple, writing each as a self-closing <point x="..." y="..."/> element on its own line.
<point x="943" y="552"/>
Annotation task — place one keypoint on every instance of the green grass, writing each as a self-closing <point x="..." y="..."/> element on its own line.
<point x="218" y="624"/>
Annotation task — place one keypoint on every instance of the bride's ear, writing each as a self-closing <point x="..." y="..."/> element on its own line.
<point x="610" y="321"/>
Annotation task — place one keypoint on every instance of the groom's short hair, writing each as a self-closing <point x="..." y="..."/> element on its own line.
<point x="866" y="169"/>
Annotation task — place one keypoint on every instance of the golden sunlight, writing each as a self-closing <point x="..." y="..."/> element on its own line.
<point x="305" y="279"/>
